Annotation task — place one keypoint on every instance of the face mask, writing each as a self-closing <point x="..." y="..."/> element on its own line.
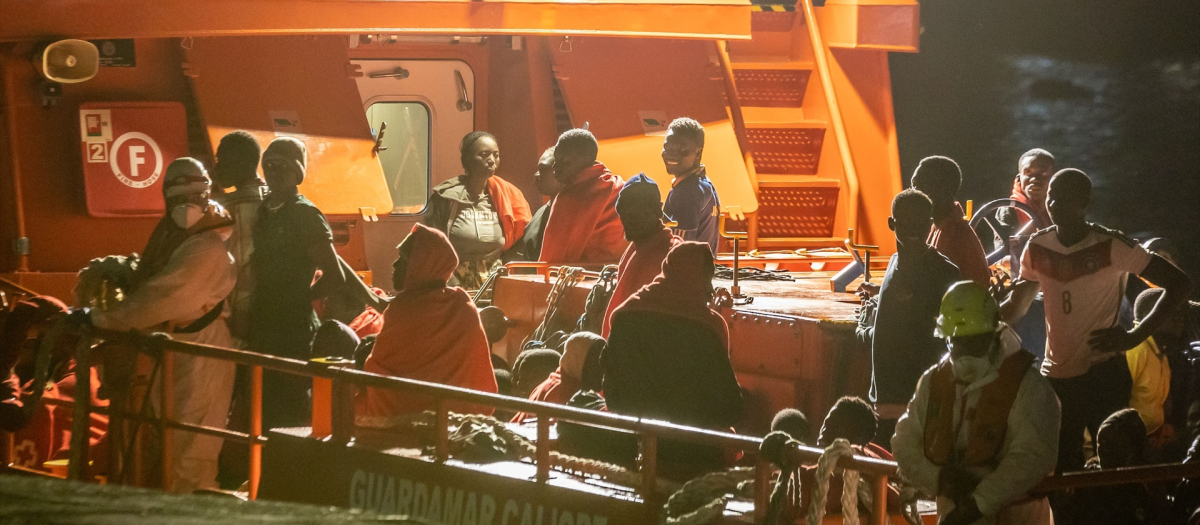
<point x="187" y="215"/>
<point x="968" y="369"/>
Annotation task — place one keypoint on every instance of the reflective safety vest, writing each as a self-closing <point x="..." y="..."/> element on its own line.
<point x="988" y="420"/>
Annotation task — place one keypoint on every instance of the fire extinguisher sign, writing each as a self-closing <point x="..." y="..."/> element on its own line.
<point x="126" y="149"/>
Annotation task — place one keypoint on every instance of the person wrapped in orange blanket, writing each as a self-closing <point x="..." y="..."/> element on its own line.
<point x="583" y="226"/>
<point x="431" y="332"/>
<point x="578" y="370"/>
<point x="641" y="210"/>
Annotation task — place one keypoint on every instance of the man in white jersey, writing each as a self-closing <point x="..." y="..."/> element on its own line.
<point x="1081" y="269"/>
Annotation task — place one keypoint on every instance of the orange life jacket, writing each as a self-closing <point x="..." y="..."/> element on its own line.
<point x="989" y="421"/>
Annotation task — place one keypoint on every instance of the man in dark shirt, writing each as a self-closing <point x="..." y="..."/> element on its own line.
<point x="692" y="202"/>
<point x="902" y="342"/>
<point x="292" y="241"/>
<point x="530" y="245"/>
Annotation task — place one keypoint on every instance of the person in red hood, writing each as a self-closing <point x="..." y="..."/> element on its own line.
<point x="640" y="208"/>
<point x="431" y="332"/>
<point x="951" y="235"/>
<point x="583" y="226"/>
<point x="668" y="359"/>
<point x="1029" y="187"/>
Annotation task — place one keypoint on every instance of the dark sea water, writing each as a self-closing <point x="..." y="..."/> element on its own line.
<point x="1110" y="87"/>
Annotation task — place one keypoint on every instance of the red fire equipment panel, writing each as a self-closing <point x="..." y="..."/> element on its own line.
<point x="126" y="149"/>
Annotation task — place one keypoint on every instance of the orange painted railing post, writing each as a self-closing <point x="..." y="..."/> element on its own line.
<point x="168" y="406"/>
<point x="343" y="409"/>
<point x="879" y="493"/>
<point x="322" y="407"/>
<point x="256" y="383"/>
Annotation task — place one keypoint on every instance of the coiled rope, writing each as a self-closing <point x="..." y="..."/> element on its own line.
<point x="851" y="487"/>
<point x="702" y="500"/>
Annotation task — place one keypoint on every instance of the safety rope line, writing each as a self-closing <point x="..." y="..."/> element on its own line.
<point x="522" y="447"/>
<point x="820" y="492"/>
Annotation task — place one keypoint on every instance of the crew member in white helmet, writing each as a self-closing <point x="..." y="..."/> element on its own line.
<point x="179" y="287"/>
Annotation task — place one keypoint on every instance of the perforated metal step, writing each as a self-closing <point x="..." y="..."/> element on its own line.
<point x="797" y="209"/>
<point x="786" y="151"/>
<point x="774" y="88"/>
<point x="772" y="18"/>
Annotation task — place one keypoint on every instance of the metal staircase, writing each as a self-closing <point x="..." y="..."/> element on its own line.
<point x="778" y="89"/>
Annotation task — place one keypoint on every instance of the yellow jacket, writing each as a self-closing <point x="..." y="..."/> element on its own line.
<point x="1151" y="382"/>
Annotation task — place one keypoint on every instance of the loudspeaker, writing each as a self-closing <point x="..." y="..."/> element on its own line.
<point x="70" y="61"/>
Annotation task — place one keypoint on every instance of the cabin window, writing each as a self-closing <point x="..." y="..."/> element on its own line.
<point x="405" y="160"/>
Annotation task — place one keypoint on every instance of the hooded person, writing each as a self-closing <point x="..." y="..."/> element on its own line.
<point x="982" y="469"/>
<point x="578" y="369"/>
<point x="179" y="287"/>
<point x="431" y="332"/>
<point x="482" y="214"/>
<point x="640" y="208"/>
<point x="583" y="226"/>
<point x="668" y="357"/>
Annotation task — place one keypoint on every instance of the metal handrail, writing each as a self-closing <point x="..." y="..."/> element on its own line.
<point x="835" y="113"/>
<point x="649" y="430"/>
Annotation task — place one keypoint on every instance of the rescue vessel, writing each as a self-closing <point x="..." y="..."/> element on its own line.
<point x="801" y="146"/>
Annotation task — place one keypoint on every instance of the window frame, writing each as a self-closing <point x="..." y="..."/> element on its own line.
<point x="425" y="103"/>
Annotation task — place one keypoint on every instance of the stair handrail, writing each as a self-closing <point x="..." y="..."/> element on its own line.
<point x="739" y="131"/>
<point x="835" y="113"/>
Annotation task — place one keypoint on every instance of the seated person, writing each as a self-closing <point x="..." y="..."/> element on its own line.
<point x="1120" y="443"/>
<point x="531" y="367"/>
<point x="335" y="340"/>
<point x="578" y="369"/>
<point x="583" y="226"/>
<point x="346" y="305"/>
<point x="431" y="332"/>
<point x="1148" y="365"/>
<point x="794" y="423"/>
<point x="641" y="211"/>
<point x="852" y="419"/>
<point x="47" y="428"/>
<point x="952" y="236"/>
<point x="668" y="359"/>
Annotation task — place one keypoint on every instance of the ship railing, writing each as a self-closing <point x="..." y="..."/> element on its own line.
<point x="335" y="384"/>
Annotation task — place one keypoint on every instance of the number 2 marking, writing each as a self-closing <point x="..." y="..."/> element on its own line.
<point x="97" y="152"/>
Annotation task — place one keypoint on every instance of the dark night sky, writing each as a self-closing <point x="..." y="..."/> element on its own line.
<point x="1111" y="87"/>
